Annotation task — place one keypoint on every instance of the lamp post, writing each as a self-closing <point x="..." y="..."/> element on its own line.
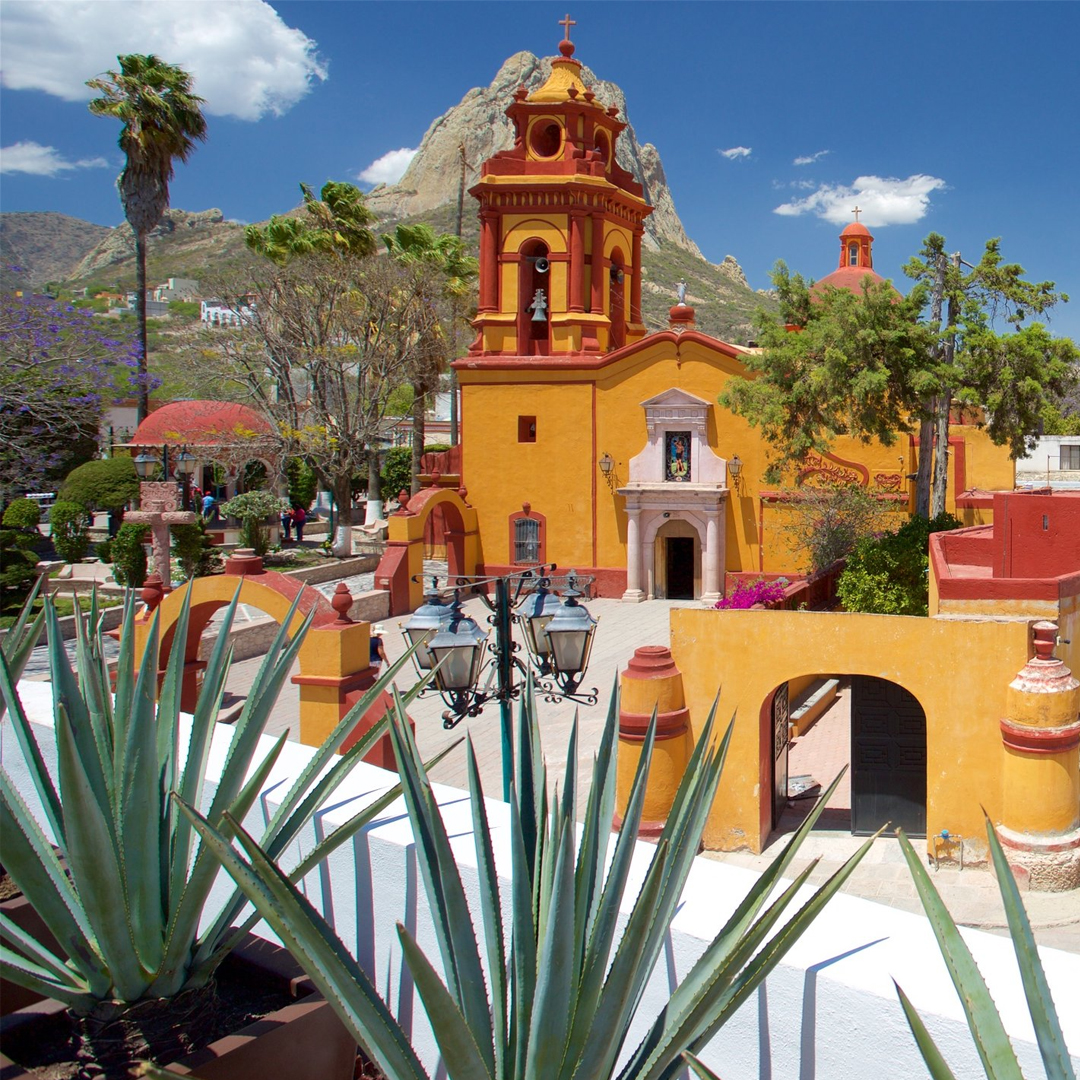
<point x="185" y="468"/>
<point x="558" y="636"/>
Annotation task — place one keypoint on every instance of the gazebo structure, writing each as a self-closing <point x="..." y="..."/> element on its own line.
<point x="228" y="445"/>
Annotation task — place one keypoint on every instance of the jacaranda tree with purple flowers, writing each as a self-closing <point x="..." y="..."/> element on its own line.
<point x="59" y="368"/>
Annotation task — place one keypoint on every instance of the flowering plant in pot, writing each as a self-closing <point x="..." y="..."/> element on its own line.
<point x="553" y="990"/>
<point x="130" y="904"/>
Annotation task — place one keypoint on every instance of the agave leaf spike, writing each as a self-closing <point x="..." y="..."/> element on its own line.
<point x="991" y="1041"/>
<point x="32" y="863"/>
<point x="139" y="820"/>
<point x="125" y="686"/>
<point x="491" y="911"/>
<point x="31" y="949"/>
<point x="22" y="639"/>
<point x="460" y="1052"/>
<point x="307" y="936"/>
<point x="555" y="982"/>
<point x="523" y="951"/>
<point x="450" y="912"/>
<point x="1044" y="1017"/>
<point x="931" y="1055"/>
<point x="89" y="668"/>
<point x="699" y="1067"/>
<point x="38" y="978"/>
<point x="50" y="801"/>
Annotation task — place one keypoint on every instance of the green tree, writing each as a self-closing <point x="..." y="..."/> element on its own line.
<point x="195" y="551"/>
<point x="455" y="272"/>
<point x="303" y="483"/>
<point x="103" y="484"/>
<point x="68" y="530"/>
<point x="1012" y="374"/>
<point x="129" y="554"/>
<point x="852" y="365"/>
<point x="162" y="121"/>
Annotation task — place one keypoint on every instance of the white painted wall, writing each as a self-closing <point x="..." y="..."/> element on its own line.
<point x="829" y="1011"/>
<point x="1045" y="462"/>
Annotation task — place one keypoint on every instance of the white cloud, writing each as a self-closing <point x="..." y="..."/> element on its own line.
<point x="882" y="201"/>
<point x="735" y="152"/>
<point x="388" y="169"/>
<point x="809" y="159"/>
<point x="245" y="61"/>
<point x="37" y="160"/>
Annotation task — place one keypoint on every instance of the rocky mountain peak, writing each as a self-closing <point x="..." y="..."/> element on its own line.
<point x="479" y="123"/>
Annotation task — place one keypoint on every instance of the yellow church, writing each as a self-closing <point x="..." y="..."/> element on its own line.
<point x="591" y="444"/>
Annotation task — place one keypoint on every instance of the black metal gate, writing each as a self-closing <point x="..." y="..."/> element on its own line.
<point x="888" y="758"/>
<point x="780" y="721"/>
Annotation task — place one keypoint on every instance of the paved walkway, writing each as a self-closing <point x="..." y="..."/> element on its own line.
<point x="971" y="894"/>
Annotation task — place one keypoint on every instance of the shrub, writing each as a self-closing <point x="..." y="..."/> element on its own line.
<point x="103" y="550"/>
<point x="17" y="567"/>
<point x="396" y="473"/>
<point x="195" y="550"/>
<point x="303" y="483"/>
<point x="748" y="593"/>
<point x="887" y="575"/>
<point x="253" y="508"/>
<point x="827" y="522"/>
<point x="129" y="556"/>
<point x="22" y="514"/>
<point x="70" y="535"/>
<point x="104" y="484"/>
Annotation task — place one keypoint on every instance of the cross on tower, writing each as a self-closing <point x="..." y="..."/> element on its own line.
<point x="856" y="212"/>
<point x="567" y="23"/>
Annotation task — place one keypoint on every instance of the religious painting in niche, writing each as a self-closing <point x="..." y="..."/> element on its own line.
<point x="677" y="456"/>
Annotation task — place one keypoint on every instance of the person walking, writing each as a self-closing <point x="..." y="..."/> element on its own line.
<point x="286" y="525"/>
<point x="299" y="516"/>
<point x="377" y="653"/>
<point x="209" y="506"/>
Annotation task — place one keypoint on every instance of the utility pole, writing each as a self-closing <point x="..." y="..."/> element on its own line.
<point x="944" y="400"/>
<point x="453" y="336"/>
<point x="927" y="430"/>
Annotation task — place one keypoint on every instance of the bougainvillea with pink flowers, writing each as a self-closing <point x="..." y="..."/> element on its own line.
<point x="748" y="593"/>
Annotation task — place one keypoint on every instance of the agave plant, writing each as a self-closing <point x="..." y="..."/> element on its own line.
<point x="130" y="903"/>
<point x="22" y="638"/>
<point x="991" y="1040"/>
<point x="554" y="993"/>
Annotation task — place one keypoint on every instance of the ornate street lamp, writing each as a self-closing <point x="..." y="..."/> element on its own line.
<point x="145" y="464"/>
<point x="558" y="634"/>
<point x="184" y="469"/>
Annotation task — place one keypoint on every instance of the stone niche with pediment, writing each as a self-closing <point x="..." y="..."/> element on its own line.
<point x="669" y="416"/>
<point x="676" y="478"/>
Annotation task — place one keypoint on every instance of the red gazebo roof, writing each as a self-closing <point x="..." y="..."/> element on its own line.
<point x="202" y="423"/>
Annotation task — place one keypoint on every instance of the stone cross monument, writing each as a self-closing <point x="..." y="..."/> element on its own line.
<point x="159" y="507"/>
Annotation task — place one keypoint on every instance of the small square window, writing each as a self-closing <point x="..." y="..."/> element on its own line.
<point x="1070" y="457"/>
<point x="526" y="429"/>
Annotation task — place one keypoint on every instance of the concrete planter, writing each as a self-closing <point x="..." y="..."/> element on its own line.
<point x="303" y="1041"/>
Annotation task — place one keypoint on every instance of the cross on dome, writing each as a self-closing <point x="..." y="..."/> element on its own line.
<point x="857" y="211"/>
<point x="567" y="23"/>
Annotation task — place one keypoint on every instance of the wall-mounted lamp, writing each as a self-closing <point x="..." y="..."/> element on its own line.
<point x="607" y="467"/>
<point x="734" y="468"/>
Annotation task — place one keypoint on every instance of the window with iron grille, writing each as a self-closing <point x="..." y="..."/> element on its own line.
<point x="1070" y="457"/>
<point x="526" y="540"/>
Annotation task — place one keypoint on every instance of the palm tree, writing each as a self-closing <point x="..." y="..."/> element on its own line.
<point x="162" y="121"/>
<point x="420" y="246"/>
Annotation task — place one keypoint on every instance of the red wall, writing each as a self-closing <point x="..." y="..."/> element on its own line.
<point x="1036" y="536"/>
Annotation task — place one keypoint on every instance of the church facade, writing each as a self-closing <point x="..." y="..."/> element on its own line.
<point x="587" y="442"/>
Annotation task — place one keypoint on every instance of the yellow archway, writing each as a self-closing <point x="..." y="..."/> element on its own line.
<point x="334" y="657"/>
<point x="403" y="559"/>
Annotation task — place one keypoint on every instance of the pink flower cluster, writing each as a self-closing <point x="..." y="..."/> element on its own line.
<point x="747" y="594"/>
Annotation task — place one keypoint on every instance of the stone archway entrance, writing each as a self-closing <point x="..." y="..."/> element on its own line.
<point x="875" y="726"/>
<point x="677" y="559"/>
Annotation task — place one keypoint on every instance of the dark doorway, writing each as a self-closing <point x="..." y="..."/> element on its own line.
<point x="680" y="568"/>
<point x="888" y="758"/>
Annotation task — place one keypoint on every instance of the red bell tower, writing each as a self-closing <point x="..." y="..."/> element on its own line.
<point x="561" y="224"/>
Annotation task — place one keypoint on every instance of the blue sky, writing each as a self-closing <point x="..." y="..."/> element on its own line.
<point x="771" y="119"/>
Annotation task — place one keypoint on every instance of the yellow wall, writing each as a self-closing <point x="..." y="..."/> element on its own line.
<point x="559" y="476"/>
<point x="959" y="671"/>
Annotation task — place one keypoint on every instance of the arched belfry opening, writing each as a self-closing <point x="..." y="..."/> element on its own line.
<point x="617" y="299"/>
<point x="534" y="299"/>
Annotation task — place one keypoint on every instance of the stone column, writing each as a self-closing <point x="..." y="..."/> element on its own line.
<point x="598" y="264"/>
<point x="577" y="260"/>
<point x="648" y="554"/>
<point x="1040" y="826"/>
<point x="635" y="281"/>
<point x="489" y="261"/>
<point x="711" y="568"/>
<point x="633" y="594"/>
